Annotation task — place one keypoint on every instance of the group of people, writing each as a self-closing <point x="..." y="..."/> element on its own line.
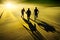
<point x="28" y="12"/>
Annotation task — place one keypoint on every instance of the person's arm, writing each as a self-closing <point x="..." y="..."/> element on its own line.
<point x="26" y="12"/>
<point x="38" y="11"/>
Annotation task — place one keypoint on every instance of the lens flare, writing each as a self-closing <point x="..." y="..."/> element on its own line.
<point x="9" y="5"/>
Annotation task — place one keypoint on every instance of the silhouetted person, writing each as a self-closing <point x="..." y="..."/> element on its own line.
<point x="28" y="14"/>
<point x="35" y="13"/>
<point x="22" y="12"/>
<point x="1" y="14"/>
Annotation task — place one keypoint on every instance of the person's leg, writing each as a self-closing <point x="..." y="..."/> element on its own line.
<point x="34" y="17"/>
<point x="28" y="18"/>
<point x="37" y="15"/>
<point x="23" y="15"/>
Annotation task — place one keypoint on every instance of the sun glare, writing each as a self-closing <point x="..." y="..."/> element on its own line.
<point x="9" y="5"/>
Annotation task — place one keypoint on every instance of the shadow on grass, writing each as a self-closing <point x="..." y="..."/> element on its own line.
<point x="33" y="31"/>
<point x="36" y="34"/>
<point x="45" y="25"/>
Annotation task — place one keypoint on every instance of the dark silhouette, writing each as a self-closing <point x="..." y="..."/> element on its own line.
<point x="22" y="12"/>
<point x="28" y="14"/>
<point x="35" y="27"/>
<point x="45" y="25"/>
<point x="34" y="32"/>
<point x="35" y="13"/>
<point x="1" y="14"/>
<point x="36" y="35"/>
<point x="32" y="27"/>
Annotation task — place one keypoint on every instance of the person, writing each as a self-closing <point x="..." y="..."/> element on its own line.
<point x="35" y="13"/>
<point x="28" y="14"/>
<point x="22" y="11"/>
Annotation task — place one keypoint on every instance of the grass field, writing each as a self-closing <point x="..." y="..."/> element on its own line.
<point x="13" y="27"/>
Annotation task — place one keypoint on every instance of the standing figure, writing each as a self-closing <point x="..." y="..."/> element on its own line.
<point x="28" y="14"/>
<point x="35" y="13"/>
<point x="22" y="11"/>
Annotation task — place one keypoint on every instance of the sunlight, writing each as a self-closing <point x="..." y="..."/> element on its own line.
<point x="9" y="5"/>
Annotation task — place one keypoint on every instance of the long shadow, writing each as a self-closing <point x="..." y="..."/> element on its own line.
<point x="45" y="25"/>
<point x="30" y="33"/>
<point x="33" y="30"/>
<point x="31" y="26"/>
<point x="36" y="35"/>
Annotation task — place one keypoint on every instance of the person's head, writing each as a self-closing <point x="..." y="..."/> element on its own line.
<point x="23" y="8"/>
<point x="35" y="7"/>
<point x="28" y="8"/>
